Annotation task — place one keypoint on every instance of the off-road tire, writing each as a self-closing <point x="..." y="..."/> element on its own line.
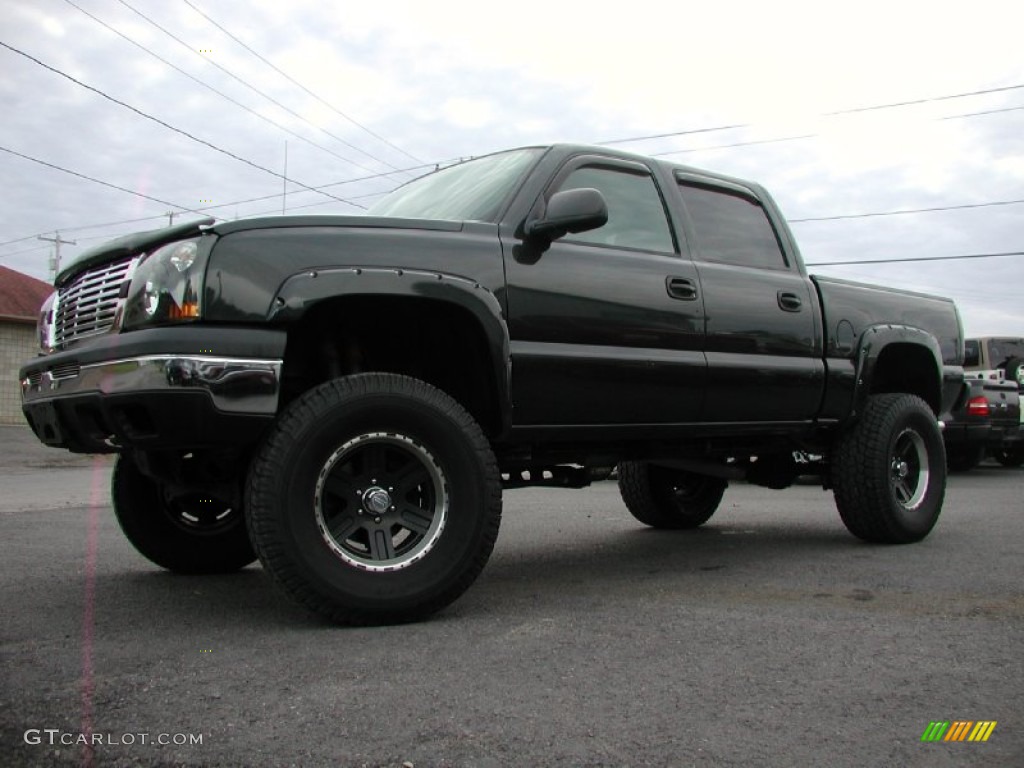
<point x="374" y="499"/>
<point x="889" y="471"/>
<point x="186" y="533"/>
<point x="669" y="498"/>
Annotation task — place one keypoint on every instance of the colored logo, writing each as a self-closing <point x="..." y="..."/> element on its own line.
<point x="958" y="730"/>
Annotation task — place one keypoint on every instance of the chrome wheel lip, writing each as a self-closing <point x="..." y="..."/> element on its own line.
<point x="909" y="472"/>
<point x="198" y="513"/>
<point x="368" y="500"/>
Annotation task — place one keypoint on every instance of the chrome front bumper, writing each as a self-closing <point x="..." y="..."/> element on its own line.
<point x="235" y="385"/>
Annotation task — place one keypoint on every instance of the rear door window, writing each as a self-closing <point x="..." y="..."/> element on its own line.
<point x="731" y="228"/>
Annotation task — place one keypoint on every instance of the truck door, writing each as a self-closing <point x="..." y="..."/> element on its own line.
<point x="607" y="326"/>
<point x="763" y="341"/>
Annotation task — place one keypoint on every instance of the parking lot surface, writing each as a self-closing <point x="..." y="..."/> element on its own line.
<point x="770" y="637"/>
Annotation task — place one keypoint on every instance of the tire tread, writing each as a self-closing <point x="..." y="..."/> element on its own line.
<point x="271" y="459"/>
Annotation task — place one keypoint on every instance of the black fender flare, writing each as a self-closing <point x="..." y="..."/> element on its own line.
<point x="873" y="342"/>
<point x="302" y="291"/>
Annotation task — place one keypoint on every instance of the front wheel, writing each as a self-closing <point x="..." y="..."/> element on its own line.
<point x="669" y="498"/>
<point x="184" y="530"/>
<point x="889" y="471"/>
<point x="375" y="499"/>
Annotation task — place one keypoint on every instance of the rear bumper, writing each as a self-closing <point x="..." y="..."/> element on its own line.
<point x="966" y="434"/>
<point x="98" y="401"/>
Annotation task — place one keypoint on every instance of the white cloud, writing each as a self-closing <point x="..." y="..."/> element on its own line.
<point x="450" y="79"/>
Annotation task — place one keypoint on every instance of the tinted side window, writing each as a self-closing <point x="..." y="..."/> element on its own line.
<point x="636" y="215"/>
<point x="732" y="229"/>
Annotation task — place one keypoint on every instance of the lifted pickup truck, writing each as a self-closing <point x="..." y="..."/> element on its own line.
<point x="346" y="397"/>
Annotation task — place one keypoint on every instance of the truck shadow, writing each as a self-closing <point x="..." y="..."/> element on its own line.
<point x="531" y="576"/>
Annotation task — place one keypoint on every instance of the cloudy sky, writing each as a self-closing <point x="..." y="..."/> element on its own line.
<point x="855" y="120"/>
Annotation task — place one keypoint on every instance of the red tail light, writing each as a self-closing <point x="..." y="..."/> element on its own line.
<point x="977" y="406"/>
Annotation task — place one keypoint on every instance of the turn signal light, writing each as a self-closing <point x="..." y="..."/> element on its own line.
<point x="189" y="310"/>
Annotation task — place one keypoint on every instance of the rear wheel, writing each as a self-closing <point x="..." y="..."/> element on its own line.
<point x="669" y="498"/>
<point x="889" y="471"/>
<point x="1010" y="457"/>
<point x="181" y="529"/>
<point x="375" y="499"/>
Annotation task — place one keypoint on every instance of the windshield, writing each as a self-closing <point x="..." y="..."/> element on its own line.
<point x="470" y="191"/>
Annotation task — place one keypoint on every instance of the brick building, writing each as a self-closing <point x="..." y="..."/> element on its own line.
<point x="21" y="296"/>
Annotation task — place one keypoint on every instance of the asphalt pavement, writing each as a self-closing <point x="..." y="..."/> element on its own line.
<point x="770" y="637"/>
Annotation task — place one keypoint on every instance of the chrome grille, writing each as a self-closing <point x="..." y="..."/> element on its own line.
<point x="88" y="305"/>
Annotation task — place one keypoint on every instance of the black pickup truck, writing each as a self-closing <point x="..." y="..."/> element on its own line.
<point x="347" y="397"/>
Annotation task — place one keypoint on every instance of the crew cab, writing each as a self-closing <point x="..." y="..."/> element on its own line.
<point x="346" y="397"/>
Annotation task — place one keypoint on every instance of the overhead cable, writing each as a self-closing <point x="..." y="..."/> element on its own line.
<point x="209" y="87"/>
<point x="253" y="88"/>
<point x="714" y="129"/>
<point x="94" y="180"/>
<point x="292" y="80"/>
<point x="158" y="121"/>
<point x="912" y="258"/>
<point x="906" y="211"/>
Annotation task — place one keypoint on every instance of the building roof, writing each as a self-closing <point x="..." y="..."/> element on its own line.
<point x="21" y="295"/>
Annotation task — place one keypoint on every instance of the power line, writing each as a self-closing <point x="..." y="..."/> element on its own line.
<point x="778" y="140"/>
<point x="893" y="105"/>
<point x="912" y="258"/>
<point x="158" y="121"/>
<point x="90" y="178"/>
<point x="204" y="211"/>
<point x="292" y="80"/>
<point x="92" y="226"/>
<point x="223" y="95"/>
<point x="27" y="250"/>
<point x="906" y="211"/>
<point x="687" y="132"/>
<point x="985" y="112"/>
<point x="261" y="93"/>
<point x="915" y="102"/>
<point x="782" y="139"/>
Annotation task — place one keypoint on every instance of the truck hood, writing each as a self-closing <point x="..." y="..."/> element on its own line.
<point x="130" y="244"/>
<point x="138" y="242"/>
<point x="363" y="222"/>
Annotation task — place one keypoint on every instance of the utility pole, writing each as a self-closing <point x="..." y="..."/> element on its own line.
<point x="170" y="218"/>
<point x="58" y="241"/>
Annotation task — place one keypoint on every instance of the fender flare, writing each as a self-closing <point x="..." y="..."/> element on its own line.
<point x="302" y="291"/>
<point x="875" y="339"/>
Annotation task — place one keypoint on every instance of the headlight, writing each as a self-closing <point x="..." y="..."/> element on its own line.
<point x="167" y="286"/>
<point x="44" y="325"/>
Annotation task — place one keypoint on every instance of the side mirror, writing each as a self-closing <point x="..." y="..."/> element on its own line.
<point x="571" y="210"/>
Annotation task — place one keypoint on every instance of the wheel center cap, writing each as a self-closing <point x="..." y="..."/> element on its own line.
<point x="901" y="469"/>
<point x="376" y="501"/>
